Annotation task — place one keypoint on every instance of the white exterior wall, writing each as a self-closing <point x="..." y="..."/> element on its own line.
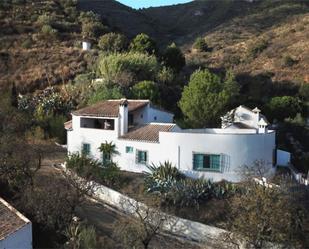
<point x="94" y="137"/>
<point x="21" y="239"/>
<point x="236" y="150"/>
<point x="161" y="116"/>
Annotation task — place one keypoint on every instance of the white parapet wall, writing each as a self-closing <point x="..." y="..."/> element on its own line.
<point x="177" y="226"/>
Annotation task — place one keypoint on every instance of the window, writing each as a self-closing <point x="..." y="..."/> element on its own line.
<point x="141" y="156"/>
<point x="86" y="149"/>
<point x="155" y="118"/>
<point x="206" y="162"/>
<point x="129" y="149"/>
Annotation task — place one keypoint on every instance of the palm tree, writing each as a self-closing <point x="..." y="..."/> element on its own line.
<point x="108" y="149"/>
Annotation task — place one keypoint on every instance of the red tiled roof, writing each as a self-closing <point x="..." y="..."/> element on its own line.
<point x="10" y="220"/>
<point x="147" y="132"/>
<point x="109" y="108"/>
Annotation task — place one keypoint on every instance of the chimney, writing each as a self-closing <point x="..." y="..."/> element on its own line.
<point x="123" y="116"/>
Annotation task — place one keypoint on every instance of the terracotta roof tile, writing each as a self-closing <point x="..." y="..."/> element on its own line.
<point x="10" y="219"/>
<point x="147" y="132"/>
<point x="109" y="108"/>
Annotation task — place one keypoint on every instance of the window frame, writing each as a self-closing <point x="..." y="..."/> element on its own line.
<point x="87" y="151"/>
<point x="138" y="161"/>
<point x="211" y="162"/>
<point x="129" y="149"/>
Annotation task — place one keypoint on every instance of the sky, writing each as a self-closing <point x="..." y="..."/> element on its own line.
<point x="150" y="3"/>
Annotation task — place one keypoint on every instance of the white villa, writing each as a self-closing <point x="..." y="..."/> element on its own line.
<point x="145" y="134"/>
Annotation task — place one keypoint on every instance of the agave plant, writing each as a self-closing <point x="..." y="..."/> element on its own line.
<point x="161" y="178"/>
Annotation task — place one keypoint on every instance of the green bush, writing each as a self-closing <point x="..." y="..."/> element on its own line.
<point x="104" y="93"/>
<point x="92" y="30"/>
<point x="113" y="42"/>
<point x="56" y="128"/>
<point x="141" y="66"/>
<point x="27" y="43"/>
<point x="46" y="19"/>
<point x="83" y="166"/>
<point x="48" y="32"/>
<point x="146" y="90"/>
<point x="284" y="107"/>
<point x="144" y="44"/>
<point x="200" y="44"/>
<point x="174" y="58"/>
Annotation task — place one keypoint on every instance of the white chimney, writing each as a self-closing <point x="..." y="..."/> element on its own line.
<point x="123" y="116"/>
<point x="262" y="126"/>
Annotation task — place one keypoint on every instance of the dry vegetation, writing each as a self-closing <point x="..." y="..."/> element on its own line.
<point x="32" y="60"/>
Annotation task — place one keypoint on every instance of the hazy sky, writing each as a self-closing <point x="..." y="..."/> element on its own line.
<point x="150" y="3"/>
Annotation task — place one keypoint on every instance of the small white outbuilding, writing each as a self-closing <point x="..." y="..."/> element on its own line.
<point x="15" y="229"/>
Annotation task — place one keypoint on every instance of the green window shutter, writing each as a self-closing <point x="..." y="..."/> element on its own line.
<point x="215" y="162"/>
<point x="141" y="156"/>
<point x="86" y="149"/>
<point x="129" y="149"/>
<point x="198" y="161"/>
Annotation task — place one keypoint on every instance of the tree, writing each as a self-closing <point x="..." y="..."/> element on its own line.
<point x="205" y="98"/>
<point x="284" y="107"/>
<point x="144" y="44"/>
<point x="200" y="44"/>
<point x="113" y="42"/>
<point x="266" y="215"/>
<point x="146" y="90"/>
<point x="139" y="232"/>
<point x="174" y="58"/>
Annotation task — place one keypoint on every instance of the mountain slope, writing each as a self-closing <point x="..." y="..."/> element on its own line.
<point x="234" y="29"/>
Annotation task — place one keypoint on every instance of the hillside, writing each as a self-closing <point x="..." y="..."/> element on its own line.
<point x="232" y="29"/>
<point x="32" y="57"/>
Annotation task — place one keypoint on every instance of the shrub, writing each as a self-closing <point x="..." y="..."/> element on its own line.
<point x="200" y="44"/>
<point x="288" y="61"/>
<point x="91" y="30"/>
<point x="82" y="165"/>
<point x="144" y="44"/>
<point x="142" y="66"/>
<point x="48" y="32"/>
<point x="284" y="107"/>
<point x="27" y="43"/>
<point x="104" y="93"/>
<point x="174" y="58"/>
<point x="113" y="42"/>
<point x="109" y="174"/>
<point x="46" y="19"/>
<point x="146" y="90"/>
<point x="258" y="47"/>
<point x="56" y="128"/>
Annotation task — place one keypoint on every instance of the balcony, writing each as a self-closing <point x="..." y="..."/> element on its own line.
<point x="96" y="123"/>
